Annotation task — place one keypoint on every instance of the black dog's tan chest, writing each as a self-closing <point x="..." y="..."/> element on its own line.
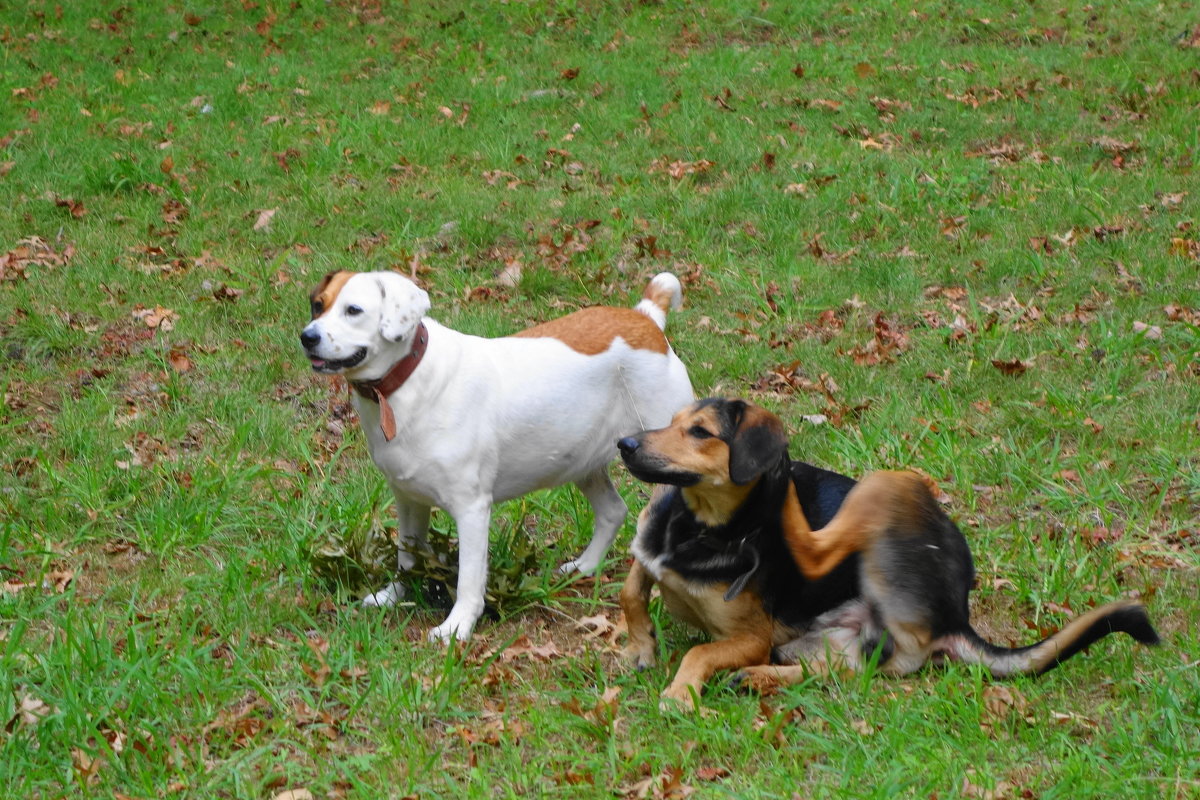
<point x="703" y="605"/>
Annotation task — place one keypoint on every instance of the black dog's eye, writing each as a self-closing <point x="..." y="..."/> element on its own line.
<point x="353" y="311"/>
<point x="699" y="433"/>
<point x="317" y="307"/>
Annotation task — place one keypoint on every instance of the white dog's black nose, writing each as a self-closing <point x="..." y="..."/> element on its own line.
<point x="628" y="446"/>
<point x="309" y="339"/>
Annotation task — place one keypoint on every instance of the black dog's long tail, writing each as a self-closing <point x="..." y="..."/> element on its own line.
<point x="1078" y="635"/>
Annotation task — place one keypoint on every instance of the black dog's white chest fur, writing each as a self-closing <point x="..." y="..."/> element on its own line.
<point x="671" y="538"/>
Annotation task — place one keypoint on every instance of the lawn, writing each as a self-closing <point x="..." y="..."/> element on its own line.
<point x="955" y="237"/>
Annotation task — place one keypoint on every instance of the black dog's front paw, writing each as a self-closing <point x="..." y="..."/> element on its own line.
<point x="760" y="680"/>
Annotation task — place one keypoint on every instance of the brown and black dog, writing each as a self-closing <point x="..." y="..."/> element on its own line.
<point x="792" y="569"/>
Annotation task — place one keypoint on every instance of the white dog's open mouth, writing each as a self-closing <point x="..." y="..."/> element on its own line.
<point x="331" y="365"/>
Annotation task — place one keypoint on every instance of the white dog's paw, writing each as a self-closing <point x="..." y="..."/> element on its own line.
<point x="458" y="626"/>
<point x="449" y="632"/>
<point x="386" y="597"/>
<point x="582" y="565"/>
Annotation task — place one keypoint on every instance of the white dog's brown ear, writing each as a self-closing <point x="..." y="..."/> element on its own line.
<point x="403" y="303"/>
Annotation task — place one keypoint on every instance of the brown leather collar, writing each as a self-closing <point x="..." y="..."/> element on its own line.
<point x="379" y="390"/>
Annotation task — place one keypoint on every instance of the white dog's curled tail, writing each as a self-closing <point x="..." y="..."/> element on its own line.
<point x="663" y="293"/>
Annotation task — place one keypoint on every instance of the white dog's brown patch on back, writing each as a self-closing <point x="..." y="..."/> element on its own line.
<point x="327" y="290"/>
<point x="592" y="330"/>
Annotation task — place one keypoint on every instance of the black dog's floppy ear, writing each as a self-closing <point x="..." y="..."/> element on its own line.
<point x="757" y="444"/>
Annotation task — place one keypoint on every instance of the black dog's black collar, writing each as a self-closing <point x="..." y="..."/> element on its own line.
<point x="743" y="547"/>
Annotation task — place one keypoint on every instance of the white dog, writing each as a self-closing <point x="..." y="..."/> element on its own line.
<point x="462" y="422"/>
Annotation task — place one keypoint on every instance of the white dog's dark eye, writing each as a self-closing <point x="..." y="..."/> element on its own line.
<point x="353" y="311"/>
<point x="699" y="433"/>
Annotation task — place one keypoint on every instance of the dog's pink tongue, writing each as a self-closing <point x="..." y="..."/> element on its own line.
<point x="317" y="362"/>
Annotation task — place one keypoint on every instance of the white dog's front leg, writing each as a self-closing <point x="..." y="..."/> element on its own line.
<point x="412" y="525"/>
<point x="472" y="525"/>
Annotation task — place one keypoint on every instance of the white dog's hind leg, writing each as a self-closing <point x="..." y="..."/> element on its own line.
<point x="609" y="511"/>
<point x="412" y="529"/>
<point x="412" y="525"/>
<point x="472" y="525"/>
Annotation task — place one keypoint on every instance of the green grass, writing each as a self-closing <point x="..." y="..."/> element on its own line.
<point x="164" y="627"/>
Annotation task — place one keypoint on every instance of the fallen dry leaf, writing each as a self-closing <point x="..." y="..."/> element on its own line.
<point x="319" y="647"/>
<point x="1114" y="147"/>
<point x="32" y="251"/>
<point x="862" y="727"/>
<point x="179" y="360"/>
<point x="603" y="713"/>
<point x="174" y="212"/>
<point x="30" y="711"/>
<point x="712" y="773"/>
<point x="510" y="276"/>
<point x="679" y="169"/>
<point x="1011" y="367"/>
<point x="158" y="318"/>
<point x="72" y="205"/>
<point x="1040" y="244"/>
<point x="1187" y="248"/>
<point x="999" y="701"/>
<point x="665" y="786"/>
<point x="598" y="626"/>
<point x="146" y="450"/>
<point x="241" y="722"/>
<point x="889" y="339"/>
<point x="227" y="293"/>
<point x="264" y="218"/>
<point x="58" y="580"/>
<point x="818" y="250"/>
<point x="1099" y="535"/>
<point x="1171" y="199"/>
<point x="1152" y="332"/>
<point x="1190" y="38"/>
<point x="86" y="767"/>
<point x="522" y="647"/>
<point x="1178" y="313"/>
<point x="1003" y="789"/>
<point x="1064" y="717"/>
<point x="294" y="794"/>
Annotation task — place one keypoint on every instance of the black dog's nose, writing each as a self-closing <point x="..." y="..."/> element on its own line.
<point x="628" y="446"/>
<point x="309" y="338"/>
